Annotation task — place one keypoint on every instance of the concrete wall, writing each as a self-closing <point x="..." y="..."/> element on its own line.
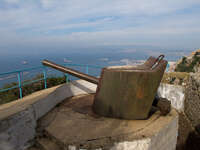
<point x="185" y="99"/>
<point x="164" y="137"/>
<point x="18" y="119"/>
<point x="174" y="93"/>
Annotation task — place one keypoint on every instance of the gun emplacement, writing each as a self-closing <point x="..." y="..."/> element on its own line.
<point x="124" y="92"/>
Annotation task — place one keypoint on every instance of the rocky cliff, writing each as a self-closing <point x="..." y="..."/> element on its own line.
<point x="190" y="63"/>
<point x="187" y="75"/>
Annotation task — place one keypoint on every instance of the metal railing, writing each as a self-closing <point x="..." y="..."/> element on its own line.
<point x="19" y="74"/>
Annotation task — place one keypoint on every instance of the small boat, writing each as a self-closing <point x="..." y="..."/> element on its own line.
<point x="66" y="60"/>
<point x="24" y="62"/>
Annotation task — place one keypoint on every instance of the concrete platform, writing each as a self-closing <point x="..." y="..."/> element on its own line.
<point x="73" y="125"/>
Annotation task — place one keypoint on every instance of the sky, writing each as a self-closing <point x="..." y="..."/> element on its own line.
<point x="28" y="26"/>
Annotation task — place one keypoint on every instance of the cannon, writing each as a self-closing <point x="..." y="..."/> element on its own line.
<point x="125" y="92"/>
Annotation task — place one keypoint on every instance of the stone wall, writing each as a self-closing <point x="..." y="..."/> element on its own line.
<point x="186" y="99"/>
<point x="192" y="101"/>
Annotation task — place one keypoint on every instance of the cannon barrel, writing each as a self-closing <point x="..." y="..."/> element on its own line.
<point x="73" y="72"/>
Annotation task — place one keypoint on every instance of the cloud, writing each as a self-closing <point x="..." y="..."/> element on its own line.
<point x="168" y="24"/>
<point x="12" y="1"/>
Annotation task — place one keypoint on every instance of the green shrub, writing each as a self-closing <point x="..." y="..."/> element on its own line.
<point x="13" y="94"/>
<point x="185" y="67"/>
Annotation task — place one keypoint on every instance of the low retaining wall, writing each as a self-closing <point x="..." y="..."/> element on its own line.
<point x="18" y="119"/>
<point x="163" y="136"/>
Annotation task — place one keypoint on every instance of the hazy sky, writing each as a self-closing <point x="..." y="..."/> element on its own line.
<point x="44" y="24"/>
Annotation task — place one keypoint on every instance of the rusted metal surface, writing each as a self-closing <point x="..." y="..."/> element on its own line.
<point x="162" y="104"/>
<point x="71" y="71"/>
<point x="128" y="92"/>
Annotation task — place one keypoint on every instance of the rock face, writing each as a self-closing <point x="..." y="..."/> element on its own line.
<point x="191" y="84"/>
<point x="188" y="106"/>
<point x="192" y="102"/>
<point x="190" y="63"/>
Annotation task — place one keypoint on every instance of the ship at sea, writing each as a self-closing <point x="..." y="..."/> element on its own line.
<point x="24" y="62"/>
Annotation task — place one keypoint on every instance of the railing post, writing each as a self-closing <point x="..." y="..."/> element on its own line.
<point x="20" y="85"/>
<point x="67" y="77"/>
<point x="45" y="77"/>
<point x="86" y="69"/>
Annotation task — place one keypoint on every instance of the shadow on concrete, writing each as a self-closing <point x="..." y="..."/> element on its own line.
<point x="82" y="87"/>
<point x="193" y="141"/>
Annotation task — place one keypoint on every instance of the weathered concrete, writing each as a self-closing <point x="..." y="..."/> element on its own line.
<point x="18" y="119"/>
<point x="46" y="144"/>
<point x="174" y="93"/>
<point x="73" y="125"/>
<point x="186" y="99"/>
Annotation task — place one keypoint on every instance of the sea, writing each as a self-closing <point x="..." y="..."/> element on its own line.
<point x="19" y="62"/>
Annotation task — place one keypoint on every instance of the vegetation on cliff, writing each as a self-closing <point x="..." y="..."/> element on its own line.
<point x="176" y="78"/>
<point x="13" y="94"/>
<point x="189" y="64"/>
